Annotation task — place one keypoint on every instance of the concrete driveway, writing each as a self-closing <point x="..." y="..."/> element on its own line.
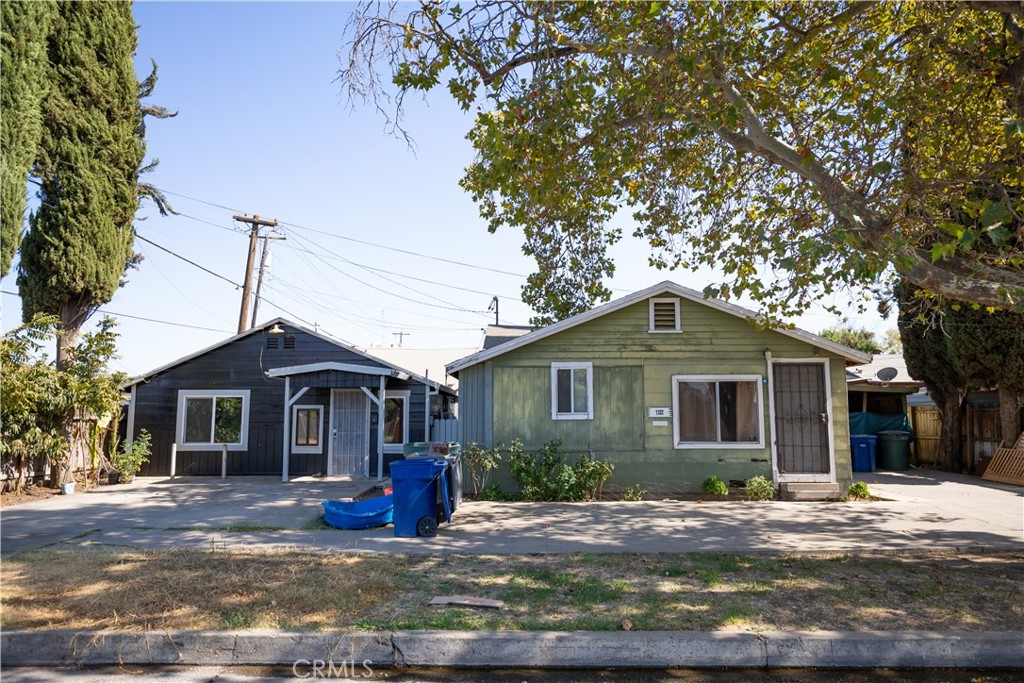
<point x="924" y="510"/>
<point x="157" y="503"/>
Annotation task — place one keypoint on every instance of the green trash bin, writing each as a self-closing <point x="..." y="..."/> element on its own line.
<point x="893" y="450"/>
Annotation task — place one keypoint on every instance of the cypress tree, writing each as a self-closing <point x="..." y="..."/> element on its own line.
<point x="23" y="85"/>
<point x="79" y="242"/>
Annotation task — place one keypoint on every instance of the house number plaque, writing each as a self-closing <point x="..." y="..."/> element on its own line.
<point x="659" y="412"/>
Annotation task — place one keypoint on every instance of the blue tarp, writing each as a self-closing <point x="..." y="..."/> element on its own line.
<point x="872" y="423"/>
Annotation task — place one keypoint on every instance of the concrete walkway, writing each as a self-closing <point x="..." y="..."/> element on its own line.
<point x="159" y="503"/>
<point x="924" y="510"/>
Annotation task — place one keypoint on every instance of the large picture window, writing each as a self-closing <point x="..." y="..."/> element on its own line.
<point x="572" y="391"/>
<point x="307" y="429"/>
<point x="396" y="420"/>
<point x="717" y="411"/>
<point x="209" y="419"/>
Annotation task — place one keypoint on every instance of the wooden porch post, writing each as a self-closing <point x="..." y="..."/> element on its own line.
<point x="287" y="428"/>
<point x="380" y="431"/>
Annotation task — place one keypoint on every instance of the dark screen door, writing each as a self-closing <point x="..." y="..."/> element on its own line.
<point x="801" y="418"/>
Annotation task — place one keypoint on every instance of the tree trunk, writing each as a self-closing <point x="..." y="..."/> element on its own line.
<point x="1009" y="416"/>
<point x="72" y="318"/>
<point x="952" y="431"/>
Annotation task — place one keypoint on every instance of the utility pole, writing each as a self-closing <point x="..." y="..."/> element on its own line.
<point x="255" y="222"/>
<point x="401" y="336"/>
<point x="494" y="305"/>
<point x="259" y="278"/>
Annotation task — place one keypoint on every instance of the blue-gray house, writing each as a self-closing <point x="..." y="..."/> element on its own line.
<point x="284" y="400"/>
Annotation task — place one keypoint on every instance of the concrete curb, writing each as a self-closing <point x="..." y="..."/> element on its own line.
<point x="534" y="649"/>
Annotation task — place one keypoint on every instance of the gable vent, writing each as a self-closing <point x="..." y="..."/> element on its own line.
<point x="664" y="315"/>
<point x="272" y="342"/>
<point x="289" y="341"/>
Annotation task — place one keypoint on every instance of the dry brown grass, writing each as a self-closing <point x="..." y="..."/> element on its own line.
<point x="103" y="589"/>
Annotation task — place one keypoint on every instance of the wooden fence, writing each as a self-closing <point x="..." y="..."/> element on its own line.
<point x="37" y="469"/>
<point x="444" y="430"/>
<point x="981" y="434"/>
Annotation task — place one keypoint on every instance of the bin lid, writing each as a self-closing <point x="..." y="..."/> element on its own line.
<point x="894" y="434"/>
<point x="870" y="437"/>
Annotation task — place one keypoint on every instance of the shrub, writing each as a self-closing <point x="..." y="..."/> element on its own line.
<point x="859" y="490"/>
<point x="128" y="459"/>
<point x="759" y="488"/>
<point x="493" y="491"/>
<point x="480" y="462"/>
<point x="715" y="486"/>
<point x="544" y="476"/>
<point x="634" y="492"/>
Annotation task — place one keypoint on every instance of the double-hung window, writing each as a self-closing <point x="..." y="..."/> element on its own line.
<point x="209" y="419"/>
<point x="717" y="411"/>
<point x="396" y="420"/>
<point x="572" y="391"/>
<point x="307" y="429"/>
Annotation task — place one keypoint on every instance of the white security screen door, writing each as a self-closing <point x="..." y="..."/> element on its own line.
<point x="350" y="433"/>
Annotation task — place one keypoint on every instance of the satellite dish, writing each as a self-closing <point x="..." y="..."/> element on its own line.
<point x="887" y="375"/>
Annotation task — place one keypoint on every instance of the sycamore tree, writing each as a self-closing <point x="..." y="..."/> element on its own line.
<point x="87" y="163"/>
<point x="848" y="334"/>
<point x="798" y="148"/>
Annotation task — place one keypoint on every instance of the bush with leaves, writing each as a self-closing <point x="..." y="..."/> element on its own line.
<point x="715" y="486"/>
<point x="544" y="476"/>
<point x="636" y="492"/>
<point x="480" y="462"/>
<point x="130" y="458"/>
<point x="759" y="488"/>
<point x="859" y="490"/>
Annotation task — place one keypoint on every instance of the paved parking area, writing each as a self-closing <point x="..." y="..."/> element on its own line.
<point x="923" y="510"/>
<point x="157" y="503"/>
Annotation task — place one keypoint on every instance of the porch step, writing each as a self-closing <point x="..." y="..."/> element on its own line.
<point x="808" y="491"/>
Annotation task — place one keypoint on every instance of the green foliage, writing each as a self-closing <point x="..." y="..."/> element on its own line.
<point x="892" y="342"/>
<point x="635" y="492"/>
<point x="759" y="488"/>
<point x="813" y="141"/>
<point x="130" y="458"/>
<point x="493" y="491"/>
<point x="43" y="407"/>
<point x="715" y="486"/>
<point x="545" y="476"/>
<point x="87" y="160"/>
<point x="859" y="489"/>
<point x="23" y="85"/>
<point x="480" y="462"/>
<point x="845" y="333"/>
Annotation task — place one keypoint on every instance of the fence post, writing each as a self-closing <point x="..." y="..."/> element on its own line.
<point x="174" y="458"/>
<point x="224" y="462"/>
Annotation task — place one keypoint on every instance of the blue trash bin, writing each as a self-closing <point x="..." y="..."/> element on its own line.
<point x="862" y="447"/>
<point x="415" y="486"/>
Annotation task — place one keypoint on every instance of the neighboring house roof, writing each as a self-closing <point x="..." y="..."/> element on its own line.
<point x="502" y="334"/>
<point x="666" y="287"/>
<point x="259" y="329"/>
<point x="429" y="362"/>
<point x="867" y="374"/>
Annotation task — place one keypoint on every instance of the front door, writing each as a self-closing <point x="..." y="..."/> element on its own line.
<point x="350" y="433"/>
<point x="802" y="421"/>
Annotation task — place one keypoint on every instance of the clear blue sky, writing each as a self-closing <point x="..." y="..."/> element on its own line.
<point x="263" y="129"/>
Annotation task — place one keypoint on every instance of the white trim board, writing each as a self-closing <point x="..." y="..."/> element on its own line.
<point x="664" y="288"/>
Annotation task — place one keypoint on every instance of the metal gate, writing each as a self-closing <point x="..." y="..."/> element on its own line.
<point x="350" y="433"/>
<point x="801" y="419"/>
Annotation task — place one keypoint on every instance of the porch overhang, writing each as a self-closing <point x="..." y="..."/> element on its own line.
<point x="354" y="368"/>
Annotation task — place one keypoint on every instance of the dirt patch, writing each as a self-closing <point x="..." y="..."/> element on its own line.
<point x="27" y="494"/>
<point x="104" y="589"/>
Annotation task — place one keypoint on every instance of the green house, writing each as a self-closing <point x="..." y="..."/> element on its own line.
<point x="672" y="388"/>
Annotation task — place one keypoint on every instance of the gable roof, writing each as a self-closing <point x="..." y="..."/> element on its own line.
<point x="502" y="334"/>
<point x="259" y="329"/>
<point x="666" y="287"/>
<point x="867" y="374"/>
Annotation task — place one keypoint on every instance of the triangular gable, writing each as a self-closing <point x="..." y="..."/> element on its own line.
<point x="283" y="321"/>
<point x="666" y="287"/>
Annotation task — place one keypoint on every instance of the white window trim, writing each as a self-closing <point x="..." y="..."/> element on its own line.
<point x="717" y="445"/>
<point x="650" y="310"/>
<point x="184" y="394"/>
<point x="319" y="447"/>
<point x="403" y="394"/>
<point x="555" y="367"/>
